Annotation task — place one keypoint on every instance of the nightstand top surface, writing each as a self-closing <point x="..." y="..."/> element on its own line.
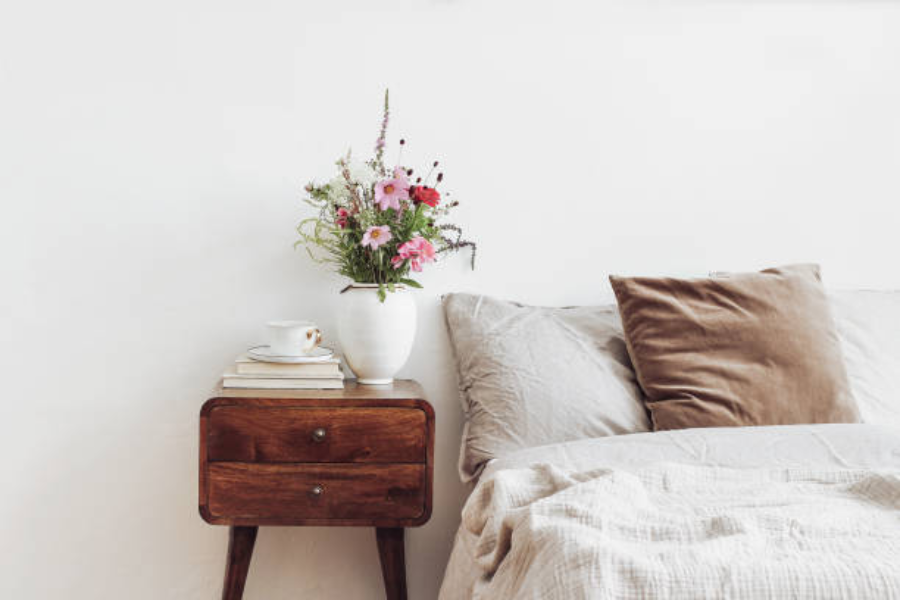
<point x="401" y="389"/>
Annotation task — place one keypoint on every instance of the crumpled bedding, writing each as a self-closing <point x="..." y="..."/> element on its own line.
<point x="790" y="511"/>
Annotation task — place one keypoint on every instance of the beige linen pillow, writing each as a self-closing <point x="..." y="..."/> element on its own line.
<point x="530" y="376"/>
<point x="868" y="325"/>
<point x="743" y="349"/>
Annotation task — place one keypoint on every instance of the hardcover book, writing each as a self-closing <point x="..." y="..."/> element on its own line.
<point x="244" y="365"/>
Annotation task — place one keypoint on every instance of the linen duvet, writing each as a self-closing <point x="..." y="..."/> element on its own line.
<point x="803" y="511"/>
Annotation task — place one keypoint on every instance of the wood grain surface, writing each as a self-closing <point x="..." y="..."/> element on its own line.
<point x="237" y="562"/>
<point x="361" y="456"/>
<point x="298" y="493"/>
<point x="392" y="555"/>
<point x="401" y="389"/>
<point x="276" y="435"/>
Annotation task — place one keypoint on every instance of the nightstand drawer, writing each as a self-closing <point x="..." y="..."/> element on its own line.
<point x="340" y="435"/>
<point x="316" y="492"/>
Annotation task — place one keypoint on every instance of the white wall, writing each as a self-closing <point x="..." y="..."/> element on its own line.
<point x="151" y="160"/>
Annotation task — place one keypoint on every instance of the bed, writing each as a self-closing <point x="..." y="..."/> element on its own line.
<point x="761" y="512"/>
<point x="782" y="511"/>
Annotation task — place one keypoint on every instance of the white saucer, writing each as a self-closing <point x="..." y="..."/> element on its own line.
<point x="263" y="354"/>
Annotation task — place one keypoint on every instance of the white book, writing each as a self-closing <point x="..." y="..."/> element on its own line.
<point x="266" y="383"/>
<point x="244" y="365"/>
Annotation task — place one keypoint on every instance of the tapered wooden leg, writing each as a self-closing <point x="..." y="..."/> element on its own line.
<point x="393" y="561"/>
<point x="240" y="550"/>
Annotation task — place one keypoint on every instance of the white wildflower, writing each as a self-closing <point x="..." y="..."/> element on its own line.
<point x="362" y="173"/>
<point x="337" y="190"/>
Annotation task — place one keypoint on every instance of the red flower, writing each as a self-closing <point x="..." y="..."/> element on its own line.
<point x="425" y="195"/>
<point x="343" y="215"/>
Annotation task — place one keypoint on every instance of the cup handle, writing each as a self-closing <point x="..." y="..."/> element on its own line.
<point x="318" y="338"/>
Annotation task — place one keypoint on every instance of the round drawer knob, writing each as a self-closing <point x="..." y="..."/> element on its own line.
<point x="318" y="434"/>
<point x="316" y="491"/>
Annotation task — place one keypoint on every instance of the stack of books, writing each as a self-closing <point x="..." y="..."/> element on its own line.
<point x="252" y="374"/>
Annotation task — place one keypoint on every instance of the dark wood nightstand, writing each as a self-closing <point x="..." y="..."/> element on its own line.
<point x="361" y="456"/>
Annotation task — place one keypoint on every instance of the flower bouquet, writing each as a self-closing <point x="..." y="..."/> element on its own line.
<point x="375" y="224"/>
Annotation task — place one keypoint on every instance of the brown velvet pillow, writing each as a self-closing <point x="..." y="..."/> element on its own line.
<point x="744" y="349"/>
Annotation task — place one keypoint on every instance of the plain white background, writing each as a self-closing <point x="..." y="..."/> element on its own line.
<point x="152" y="157"/>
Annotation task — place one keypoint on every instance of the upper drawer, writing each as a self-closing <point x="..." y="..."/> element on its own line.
<point x="365" y="435"/>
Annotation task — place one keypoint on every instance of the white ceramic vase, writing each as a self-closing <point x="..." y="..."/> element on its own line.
<point x="376" y="337"/>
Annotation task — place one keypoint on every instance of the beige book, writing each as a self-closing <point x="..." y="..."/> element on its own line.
<point x="245" y="365"/>
<point x="232" y="373"/>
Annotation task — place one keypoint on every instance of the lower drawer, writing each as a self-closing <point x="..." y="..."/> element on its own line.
<point x="294" y="493"/>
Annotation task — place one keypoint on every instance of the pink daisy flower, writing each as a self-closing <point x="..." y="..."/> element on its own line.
<point x="418" y="251"/>
<point x="389" y="192"/>
<point x="376" y="236"/>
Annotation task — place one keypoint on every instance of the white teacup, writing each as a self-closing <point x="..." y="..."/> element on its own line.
<point x="293" y="338"/>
